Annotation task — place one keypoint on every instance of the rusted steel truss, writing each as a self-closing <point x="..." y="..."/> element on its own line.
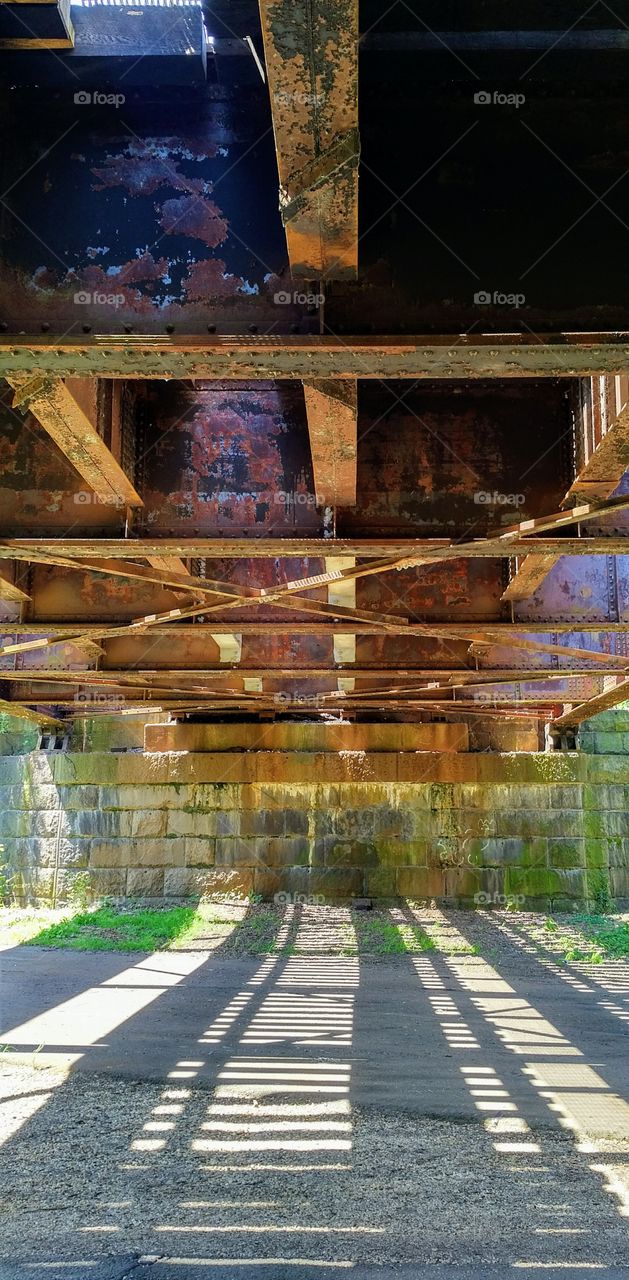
<point x="593" y="707"/>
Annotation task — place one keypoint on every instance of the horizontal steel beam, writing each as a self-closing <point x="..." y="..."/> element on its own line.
<point x="271" y="548"/>
<point x="563" y="355"/>
<point x="459" y="675"/>
<point x="470" y="630"/>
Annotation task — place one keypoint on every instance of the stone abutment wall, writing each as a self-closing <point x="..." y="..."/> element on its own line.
<point x="543" y="830"/>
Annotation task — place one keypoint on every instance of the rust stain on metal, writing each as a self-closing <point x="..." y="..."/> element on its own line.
<point x="331" y="409"/>
<point x="60" y="414"/>
<point x="312" y="68"/>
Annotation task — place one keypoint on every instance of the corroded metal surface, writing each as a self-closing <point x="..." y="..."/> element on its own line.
<point x="312" y="68"/>
<point x="292" y="357"/>
<point x="331" y="409"/>
<point x="529" y="575"/>
<point x="594" y="706"/>
<point x="262" y="548"/>
<point x="51" y="401"/>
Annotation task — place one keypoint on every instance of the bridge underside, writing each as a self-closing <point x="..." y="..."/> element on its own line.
<point x="315" y="404"/>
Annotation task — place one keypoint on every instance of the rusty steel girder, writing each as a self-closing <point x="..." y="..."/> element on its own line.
<point x="312" y="67"/>
<point x="310" y="357"/>
<point x="51" y="401"/>
<point x="331" y="409"/>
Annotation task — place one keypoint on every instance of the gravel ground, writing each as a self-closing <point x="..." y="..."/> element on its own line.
<point x="402" y="1188"/>
<point x="171" y="1164"/>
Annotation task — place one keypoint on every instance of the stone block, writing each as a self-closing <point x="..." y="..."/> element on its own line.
<point x="111" y="853"/>
<point x="74" y="854"/>
<point x="12" y="798"/>
<point x="260" y="852"/>
<point x="323" y="822"/>
<point x="100" y="825"/>
<point x="78" y="798"/>
<point x="349" y="853"/>
<point x="296" y="821"/>
<point x="619" y="882"/>
<point x="145" y="882"/>
<point x="462" y="883"/>
<point x="91" y="768"/>
<point x="402" y="853"/>
<point x="68" y="880"/>
<point x="184" y="822"/>
<point x="108" y="882"/>
<point x="353" y="824"/>
<point x="468" y="824"/>
<point x="564" y="797"/>
<point x="491" y="886"/>
<point x="527" y="824"/>
<point x="12" y="770"/>
<point x="137" y="853"/>
<point x="507" y="852"/>
<point x="125" y="797"/>
<point x="205" y="797"/>
<point x="183" y="882"/>
<point x="39" y="795"/>
<point x="392" y="824"/>
<point x="566" y="853"/>
<point x="149" y="823"/>
<point x="14" y="822"/>
<point x="617" y="853"/>
<point x="424" y="823"/>
<point x="598" y="824"/>
<point x="599" y="851"/>
<point x="199" y="852"/>
<point x="329" y="883"/>
<point x="420" y="882"/>
<point x="227" y="822"/>
<point x="254" y="822"/>
<point x="445" y="795"/>
<point x="42" y="881"/>
<point x="381" y="882"/>
<point x="531" y="769"/>
<point x="607" y="769"/>
<point x="609" y="797"/>
<point x="47" y="852"/>
<point x="422" y="767"/>
<point x="48" y="823"/>
<point x="546" y="882"/>
<point x="473" y="796"/>
<point x="268" y="883"/>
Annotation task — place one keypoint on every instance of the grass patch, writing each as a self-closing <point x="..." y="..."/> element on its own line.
<point x="589" y="939"/>
<point x="380" y="937"/>
<point x="108" y="929"/>
<point x="252" y="931"/>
